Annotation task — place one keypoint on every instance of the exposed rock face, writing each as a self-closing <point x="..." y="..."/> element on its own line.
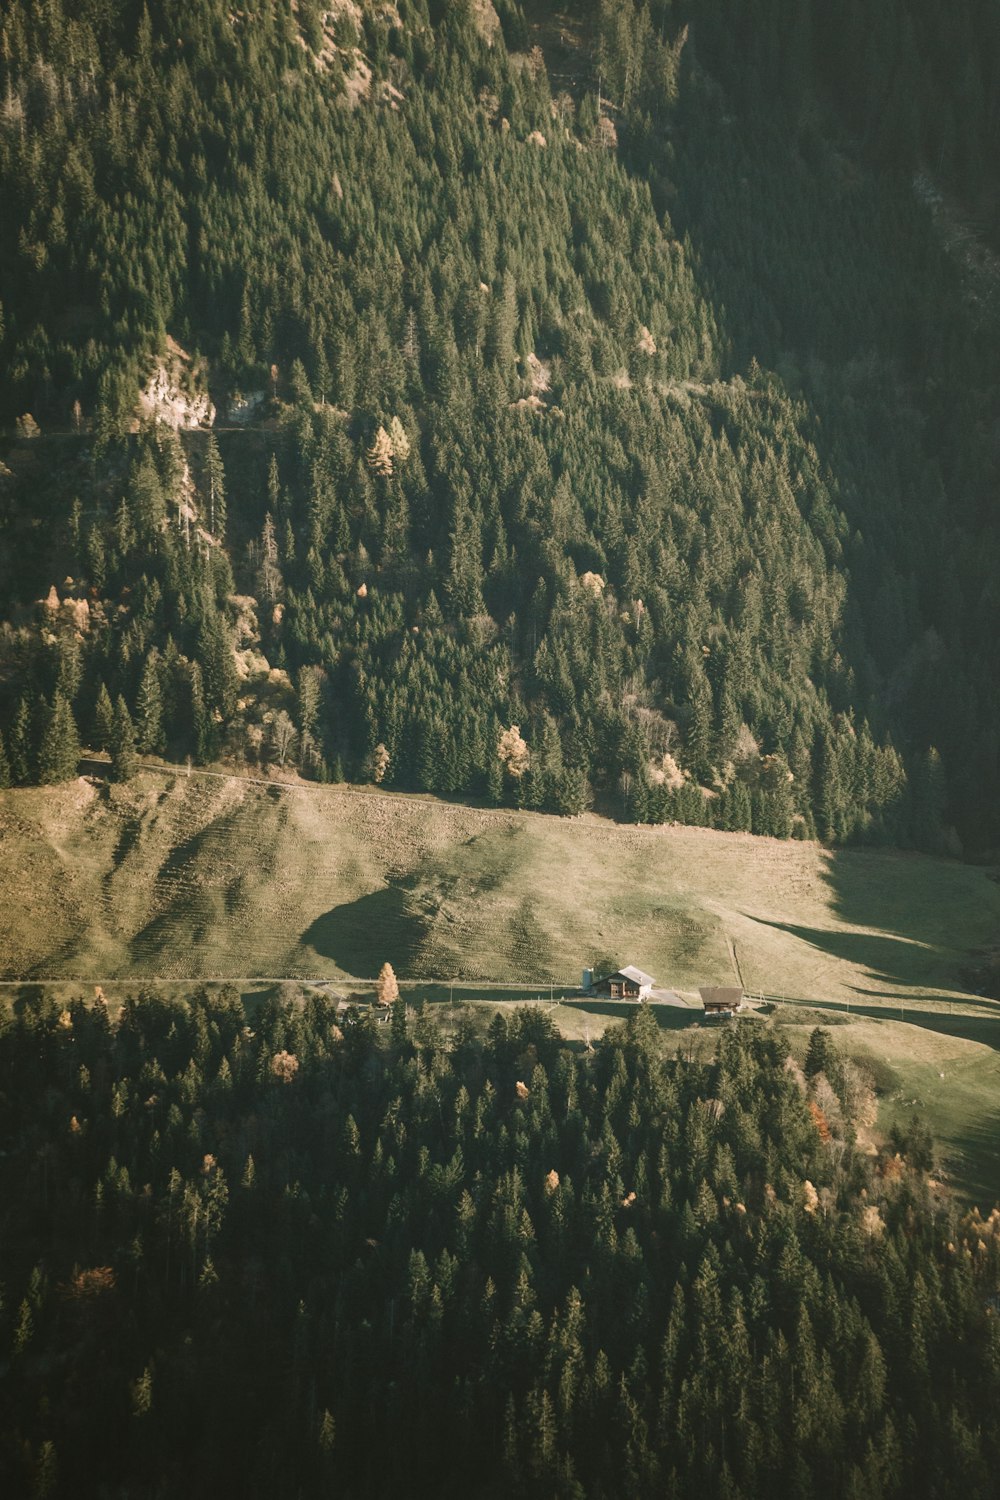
<point x="540" y="374"/>
<point x="163" y="400"/>
<point x="243" y="408"/>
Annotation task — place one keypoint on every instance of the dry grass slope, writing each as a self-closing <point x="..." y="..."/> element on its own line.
<point x="177" y="877"/>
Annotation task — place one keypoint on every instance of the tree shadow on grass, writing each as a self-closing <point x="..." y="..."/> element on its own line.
<point x="925" y="918"/>
<point x="360" y="936"/>
<point x="891" y="959"/>
<point x="902" y="891"/>
<point x="984" y="1029"/>
<point x="667" y="1017"/>
<point x="986" y="1008"/>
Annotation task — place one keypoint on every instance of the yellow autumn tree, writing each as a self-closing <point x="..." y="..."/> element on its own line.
<point x="380" y="759"/>
<point x="379" y="455"/>
<point x="512" y="752"/>
<point x="386" y="985"/>
<point x="400" y="442"/>
<point x="284" y="1066"/>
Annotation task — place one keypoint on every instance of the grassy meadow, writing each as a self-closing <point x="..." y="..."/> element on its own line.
<point x="174" y="879"/>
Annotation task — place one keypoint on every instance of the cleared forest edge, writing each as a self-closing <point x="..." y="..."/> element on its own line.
<point x="183" y="878"/>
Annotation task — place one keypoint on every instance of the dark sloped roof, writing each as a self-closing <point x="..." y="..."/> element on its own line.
<point x="722" y="995"/>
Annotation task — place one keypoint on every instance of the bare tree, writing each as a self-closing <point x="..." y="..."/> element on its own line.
<point x="282" y="736"/>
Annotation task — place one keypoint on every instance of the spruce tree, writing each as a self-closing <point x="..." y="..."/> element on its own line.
<point x="5" y="776"/>
<point x="102" y="719"/>
<point x="21" y="746"/>
<point x="201" y="720"/>
<point x="124" y="760"/>
<point x="215" y="486"/>
<point x="215" y="656"/>
<point x="738" y="809"/>
<point x="150" y="738"/>
<point x="929" y="802"/>
<point x="59" y="751"/>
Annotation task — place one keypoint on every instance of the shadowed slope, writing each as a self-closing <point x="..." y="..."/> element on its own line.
<point x="216" y="877"/>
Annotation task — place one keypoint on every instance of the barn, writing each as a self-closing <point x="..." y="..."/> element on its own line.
<point x="721" y="1001"/>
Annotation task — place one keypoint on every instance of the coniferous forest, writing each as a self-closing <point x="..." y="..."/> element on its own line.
<point x="628" y="378"/>
<point x="592" y="408"/>
<point x="312" y="1255"/>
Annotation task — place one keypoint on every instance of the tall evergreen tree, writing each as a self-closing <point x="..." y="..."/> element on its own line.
<point x="205" y="739"/>
<point x="215" y="488"/>
<point x="102" y="719"/>
<point x="59" y="751"/>
<point x="149" y="727"/>
<point x="21" y="752"/>
<point x="124" y="760"/>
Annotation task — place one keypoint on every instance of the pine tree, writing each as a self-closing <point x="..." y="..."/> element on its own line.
<point x="398" y="1029"/>
<point x="818" y="1052"/>
<point x="5" y="773"/>
<point x="59" y="751"/>
<point x="124" y="760"/>
<point x="930" y="797"/>
<point x="200" y="718"/>
<point x="269" y="579"/>
<point x="150" y="738"/>
<point x="308" y="699"/>
<point x="215" y="485"/>
<point x="21" y="745"/>
<point x="828" y="794"/>
<point x="738" y="813"/>
<point x="698" y="732"/>
<point x="102" y="720"/>
<point x="215" y="655"/>
<point x="273" y="484"/>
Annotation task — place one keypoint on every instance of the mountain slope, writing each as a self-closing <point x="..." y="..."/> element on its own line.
<point x="653" y="424"/>
<point x="208" y="877"/>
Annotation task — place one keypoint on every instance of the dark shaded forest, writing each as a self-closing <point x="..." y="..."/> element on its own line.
<point x="296" y="1252"/>
<point x="649" y="410"/>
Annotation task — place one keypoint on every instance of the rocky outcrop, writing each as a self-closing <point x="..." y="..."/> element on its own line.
<point x="244" y="407"/>
<point x="171" y="395"/>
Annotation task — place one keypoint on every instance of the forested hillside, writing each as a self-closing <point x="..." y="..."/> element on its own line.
<point x="309" y="1255"/>
<point x="381" y="378"/>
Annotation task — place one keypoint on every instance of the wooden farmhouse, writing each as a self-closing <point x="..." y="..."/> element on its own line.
<point x="721" y="1002"/>
<point x="629" y="983"/>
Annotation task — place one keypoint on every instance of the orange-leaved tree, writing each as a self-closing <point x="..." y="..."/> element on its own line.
<point x="386" y="986"/>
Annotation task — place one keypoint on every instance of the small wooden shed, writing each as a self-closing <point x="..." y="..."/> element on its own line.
<point x="721" y="1001"/>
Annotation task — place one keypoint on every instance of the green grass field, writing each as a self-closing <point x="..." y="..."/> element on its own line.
<point x="174" y="879"/>
<point x="177" y="877"/>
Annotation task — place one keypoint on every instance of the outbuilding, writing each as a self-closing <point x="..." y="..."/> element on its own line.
<point x="721" y="1002"/>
